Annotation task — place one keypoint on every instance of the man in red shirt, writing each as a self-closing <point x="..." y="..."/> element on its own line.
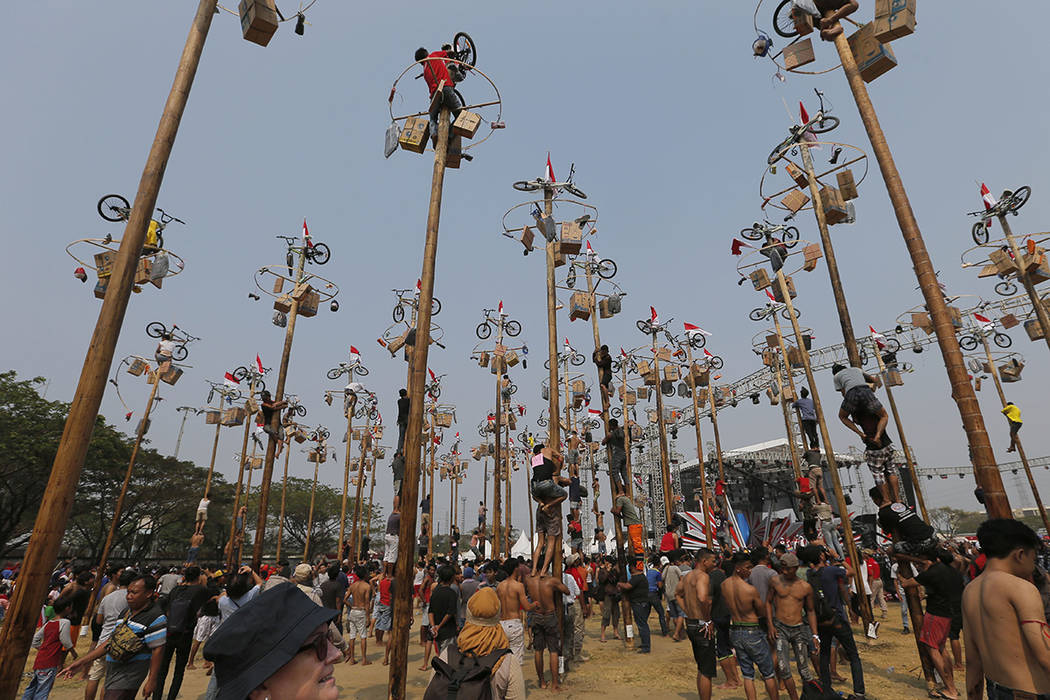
<point x="436" y="73"/>
<point x="875" y="583"/>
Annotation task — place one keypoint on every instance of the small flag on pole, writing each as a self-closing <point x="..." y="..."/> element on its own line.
<point x="692" y="330"/>
<point x="258" y="363"/>
<point x="986" y="197"/>
<point x="653" y="318"/>
<point x="548" y="174"/>
<point x="354" y="351"/>
<point x="879" y="338"/>
<point x="771" y="297"/>
<point x="738" y="247"/>
<point x="231" y="381"/>
<point x="306" y="236"/>
<point x="500" y="307"/>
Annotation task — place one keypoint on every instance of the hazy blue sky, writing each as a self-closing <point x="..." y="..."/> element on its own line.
<point x="660" y="105"/>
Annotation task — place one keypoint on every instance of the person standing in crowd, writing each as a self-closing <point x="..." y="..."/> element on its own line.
<point x="546" y="635"/>
<point x="181" y="607"/>
<point x="672" y="575"/>
<point x="720" y="616"/>
<point x="944" y="589"/>
<point x="444" y="609"/>
<point x="878" y="596"/>
<point x="746" y="609"/>
<point x="208" y="620"/>
<point x="109" y="613"/>
<point x="52" y="640"/>
<point x="792" y="622"/>
<point x="359" y="596"/>
<point x="610" y="597"/>
<point x="830" y="589"/>
<point x="656" y="590"/>
<point x="637" y="591"/>
<point x="78" y="593"/>
<point x="513" y="601"/>
<point x="693" y="595"/>
<point x="670" y="541"/>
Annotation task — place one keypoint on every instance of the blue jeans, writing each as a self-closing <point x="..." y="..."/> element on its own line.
<point x="640" y="611"/>
<point x="40" y="687"/>
<point x="449" y="99"/>
<point x="752" y="649"/>
<point x="840" y="630"/>
<point x="904" y="612"/>
<point x="657" y="604"/>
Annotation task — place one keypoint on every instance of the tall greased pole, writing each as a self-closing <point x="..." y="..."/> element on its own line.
<point x="211" y="464"/>
<point x="665" y="461"/>
<point x="249" y="421"/>
<point x="310" y="517"/>
<point x="284" y="494"/>
<point x="699" y="446"/>
<point x="355" y="533"/>
<point x="498" y="469"/>
<point x="986" y="471"/>
<point x="900" y="431"/>
<point x="780" y="387"/>
<point x="346" y="483"/>
<point x="53" y="514"/>
<point x="433" y="519"/>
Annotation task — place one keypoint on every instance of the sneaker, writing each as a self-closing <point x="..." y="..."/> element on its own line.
<point x="873" y="630"/>
<point x="905" y="631"/>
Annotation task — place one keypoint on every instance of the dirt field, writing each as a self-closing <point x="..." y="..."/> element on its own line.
<point x="891" y="671"/>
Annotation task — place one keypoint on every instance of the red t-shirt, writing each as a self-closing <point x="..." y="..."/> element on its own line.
<point x="51" y="650"/>
<point x="667" y="542"/>
<point x="874" y="570"/>
<point x="436" y="71"/>
<point x="384" y="591"/>
<point x="581" y="578"/>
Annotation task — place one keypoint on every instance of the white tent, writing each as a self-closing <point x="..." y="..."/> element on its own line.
<point x="521" y="548"/>
<point x="468" y="555"/>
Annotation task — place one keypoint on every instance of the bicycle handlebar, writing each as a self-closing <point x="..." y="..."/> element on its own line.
<point x="289" y="239"/>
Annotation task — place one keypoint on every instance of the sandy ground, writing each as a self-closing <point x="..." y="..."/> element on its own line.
<point x="891" y="671"/>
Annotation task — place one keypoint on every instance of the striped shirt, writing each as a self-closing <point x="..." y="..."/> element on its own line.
<point x="151" y="626"/>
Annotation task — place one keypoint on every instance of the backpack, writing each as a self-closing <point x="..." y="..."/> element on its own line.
<point x="821" y="607"/>
<point x="464" y="676"/>
<point x="180" y="602"/>
<point x="125" y="643"/>
<point x="813" y="690"/>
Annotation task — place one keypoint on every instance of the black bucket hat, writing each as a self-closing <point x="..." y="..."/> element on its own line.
<point x="261" y="637"/>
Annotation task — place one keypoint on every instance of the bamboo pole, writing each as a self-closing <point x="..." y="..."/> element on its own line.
<point x="247" y="495"/>
<point x="780" y="387"/>
<point x="629" y="486"/>
<point x="53" y="513"/>
<point x="355" y="532"/>
<point x="211" y="465"/>
<point x="433" y="509"/>
<point x="986" y="471"/>
<point x="485" y="495"/>
<point x="405" y="566"/>
<point x="665" y="462"/>
<point x="708" y="530"/>
<point x="284" y="492"/>
<point x="346" y="479"/>
<point x="498" y="469"/>
<point x="310" y="518"/>
<point x="249" y="420"/>
<point x="528" y="492"/>
<point x="508" y="472"/>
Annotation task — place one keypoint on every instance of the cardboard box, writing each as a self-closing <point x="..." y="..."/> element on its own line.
<point x="988" y="271"/>
<point x="278" y="285"/>
<point x="511" y="358"/>
<point x="663" y="354"/>
<point x="976" y="383"/>
<point x="171" y="376"/>
<point x="794" y="356"/>
<point x="847" y="185"/>
<point x="100" y="288"/>
<point x="921" y="320"/>
<point x="642" y="392"/>
<point x="1009" y="321"/>
<point x="258" y="20"/>
<point x="798" y="54"/>
<point x="834" y="206"/>
<point x="571" y="238"/>
<point x="283" y="304"/>
<point x="1031" y="263"/>
<point x="603" y="309"/>
<point x="894" y="19"/>
<point x="632" y="398"/>
<point x="768" y="358"/>
<point x="466" y="124"/>
<point x="873" y="57"/>
<point x="483" y="359"/>
<point x="308" y="305"/>
<point x="671" y="373"/>
<point x="1033" y="329"/>
<point x="797" y="174"/>
<point x="443" y="420"/>
<point x="104" y="262"/>
<point x="233" y="416"/>
<point x="137" y="367"/>
<point x="300" y="291"/>
<point x="1003" y="261"/>
<point x="956" y="316"/>
<point x="527" y="237"/>
<point x="794" y="201"/>
<point x="212" y="417"/>
<point x="790" y="284"/>
<point x="1010" y="371"/>
<point x="812" y="254"/>
<point x="415" y="134"/>
<point x="1041" y="273"/>
<point x="397" y="343"/>
<point x="893" y="378"/>
<point x="760" y="278"/>
<point x="142" y="270"/>
<point x="579" y="306"/>
<point x="559" y="257"/>
<point x="454" y="155"/>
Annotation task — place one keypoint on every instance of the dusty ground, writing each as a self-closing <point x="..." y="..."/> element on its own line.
<point x="891" y="671"/>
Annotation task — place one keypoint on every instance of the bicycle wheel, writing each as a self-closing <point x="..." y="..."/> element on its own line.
<point x="979" y="233"/>
<point x="435" y="391"/>
<point x="783" y="24"/>
<point x="361" y="371"/>
<point x="757" y="314"/>
<point x="786" y="144"/>
<point x="512" y="328"/>
<point x="289" y="261"/>
<point x="1002" y="340"/>
<point x="1020" y="198"/>
<point x="324" y="434"/>
<point x="527" y="185"/>
<point x="464" y="45"/>
<point x="645" y="326"/>
<point x="968" y="342"/>
<point x="825" y="125"/>
<point x="893" y="345"/>
<point x="697" y="340"/>
<point x="577" y="359"/>
<point x="180" y="353"/>
<point x="260" y="386"/>
<point x="513" y="389"/>
<point x="570" y="278"/>
<point x="1006" y="288"/>
<point x="574" y="190"/>
<point x="716" y="362"/>
<point x="321" y="253"/>
<point x="606" y="269"/>
<point x="791" y="237"/>
<point x="299" y="410"/>
<point x="616" y="411"/>
<point x="435" y="306"/>
<point x="547" y="364"/>
<point x="483" y="331"/>
<point x="542" y="422"/>
<point x="335" y="373"/>
<point x="109" y="208"/>
<point x="786" y="314"/>
<point x="751" y="234"/>
<point x="616" y="366"/>
<point x="156" y="329"/>
<point x="399" y="313"/>
<point x="373" y="413"/>
<point x="240" y="373"/>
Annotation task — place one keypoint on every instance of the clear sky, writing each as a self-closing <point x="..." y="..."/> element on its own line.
<point x="661" y="106"/>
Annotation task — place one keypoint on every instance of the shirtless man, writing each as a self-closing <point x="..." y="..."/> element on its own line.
<point x="573" y="453"/>
<point x="196" y="539"/>
<point x="1004" y="625"/>
<point x="512" y="601"/>
<point x="794" y="619"/>
<point x="746" y="609"/>
<point x="694" y="597"/>
<point x="545" y="631"/>
<point x="359" y="601"/>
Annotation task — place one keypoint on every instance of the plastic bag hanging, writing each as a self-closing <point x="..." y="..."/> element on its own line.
<point x="393" y="133"/>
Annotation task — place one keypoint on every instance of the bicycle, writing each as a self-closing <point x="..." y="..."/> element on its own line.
<point x="821" y="123"/>
<point x="1009" y="203"/>
<point x="156" y="329"/>
<point x="970" y="341"/>
<point x="228" y="394"/>
<point x="412" y="303"/>
<point x="543" y="183"/>
<point x="765" y="231"/>
<point x="604" y="268"/>
<point x="1005" y="287"/>
<point x="313" y="252"/>
<point x="571" y="356"/>
<point x="115" y="207"/>
<point x="484" y="329"/>
<point x="295" y="406"/>
<point x="349" y="369"/>
<point x="762" y="313"/>
<point x="320" y="434"/>
<point x="784" y="22"/>
<point x="368" y="408"/>
<point x="242" y="373"/>
<point x="434" y="387"/>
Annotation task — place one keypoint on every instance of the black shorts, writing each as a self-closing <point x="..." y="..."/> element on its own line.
<point x="703" y="647"/>
<point x="545" y="633"/>
<point x="861" y="399"/>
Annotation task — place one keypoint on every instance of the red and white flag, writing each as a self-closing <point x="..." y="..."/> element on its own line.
<point x="987" y="198"/>
<point x="231" y="381"/>
<point x="258" y="363"/>
<point x="500" y="309"/>
<point x="548" y="174"/>
<point x="809" y="136"/>
<point x="771" y="297"/>
<point x="590" y="250"/>
<point x="879" y="338"/>
<point x="707" y="353"/>
<point x="692" y="330"/>
<point x="738" y="247"/>
<point x="594" y="411"/>
<point x="984" y="321"/>
<point x="354" y="351"/>
<point x="306" y="236"/>
<point x="432" y="377"/>
<point x="653" y="318"/>
<point x="623" y="352"/>
<point x="419" y="285"/>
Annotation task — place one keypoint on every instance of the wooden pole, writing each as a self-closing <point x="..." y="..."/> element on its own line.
<point x="848" y="338"/>
<point x="184" y="410"/>
<point x="508" y="472"/>
<point x="708" y="530"/>
<point x="528" y="492"/>
<point x="665" y="462"/>
<point x="900" y="431"/>
<point x="1017" y="438"/>
<point x="986" y="471"/>
<point x="355" y="532"/>
<point x="433" y="509"/>
<point x="1026" y="279"/>
<point x="249" y="421"/>
<point x="366" y="517"/>
<point x="211" y="465"/>
<point x="284" y="492"/>
<point x="119" y="508"/>
<point x="629" y="486"/>
<point x="498" y="469"/>
<point x="405" y="566"/>
<point x="247" y="495"/>
<point x="53" y="514"/>
<point x="485" y="495"/>
<point x="310" y="518"/>
<point x="780" y="387"/>
<point x="346" y="483"/>
<point x="275" y="424"/>
<point x="714" y="425"/>
<point x="864" y="603"/>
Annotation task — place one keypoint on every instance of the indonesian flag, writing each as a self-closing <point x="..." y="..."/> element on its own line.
<point x="987" y="198"/>
<point x="738" y="247"/>
<point x="692" y="330"/>
<point x="653" y="318"/>
<point x="548" y="174"/>
<point x="354" y="351"/>
<point x="707" y="353"/>
<point x="809" y="136"/>
<point x="127" y="416"/>
<point x="306" y="235"/>
<point x="500" y="309"/>
<point x="984" y="321"/>
<point x="879" y="338"/>
<point x="258" y="363"/>
<point x="457" y="435"/>
<point x="432" y="377"/>
<point x="567" y="346"/>
<point x="623" y="352"/>
<point x="258" y="427"/>
<point x="419" y="284"/>
<point x="590" y="250"/>
<point x="771" y="297"/>
<point x="231" y="381"/>
<point x="594" y="411"/>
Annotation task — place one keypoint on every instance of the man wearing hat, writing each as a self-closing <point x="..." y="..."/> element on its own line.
<point x="792" y="622"/>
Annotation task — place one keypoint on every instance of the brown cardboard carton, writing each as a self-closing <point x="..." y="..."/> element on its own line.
<point x="1009" y="321"/>
<point x="278" y="285"/>
<point x="283" y="303"/>
<point x="894" y="19"/>
<point x="104" y="262"/>
<point x="100" y="287"/>
<point x="142" y="270"/>
<point x="511" y="358"/>
<point x="812" y="255"/>
<point x="212" y="417"/>
<point x="760" y="278"/>
<point x="834" y="206"/>
<point x="300" y="292"/>
<point x="1033" y="329"/>
<point x="797" y="174"/>
<point x="415" y="134"/>
<point x="671" y="373"/>
<point x="798" y="54"/>
<point x="137" y="367"/>
<point x="803" y="21"/>
<point x="603" y="309"/>
<point x="873" y="57"/>
<point x="483" y="359"/>
<point x="527" y="237"/>
<point x="663" y="354"/>
<point x="988" y="271"/>
<point x="455" y="152"/>
<point x="794" y="201"/>
<point x="571" y="238"/>
<point x="1003" y="261"/>
<point x="790" y="284"/>
<point x="921" y="320"/>
<point x="894" y="378"/>
<point x="580" y="306"/>
<point x="308" y="305"/>
<point x="171" y="376"/>
<point x="466" y="124"/>
<point x="258" y="20"/>
<point x="956" y="316"/>
<point x="847" y="185"/>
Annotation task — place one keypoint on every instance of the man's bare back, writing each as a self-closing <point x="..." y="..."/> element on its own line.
<point x="790" y="598"/>
<point x="696" y="595"/>
<point x="512" y="599"/>
<point x="999" y="644"/>
<point x="742" y="599"/>
<point x="541" y="590"/>
<point x="361" y="592"/>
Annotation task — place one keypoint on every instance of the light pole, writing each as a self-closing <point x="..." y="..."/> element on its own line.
<point x="185" y="411"/>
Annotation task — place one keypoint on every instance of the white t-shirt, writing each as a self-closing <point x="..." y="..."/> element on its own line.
<point x="203" y="505"/>
<point x="167" y="347"/>
<point x="574" y="589"/>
